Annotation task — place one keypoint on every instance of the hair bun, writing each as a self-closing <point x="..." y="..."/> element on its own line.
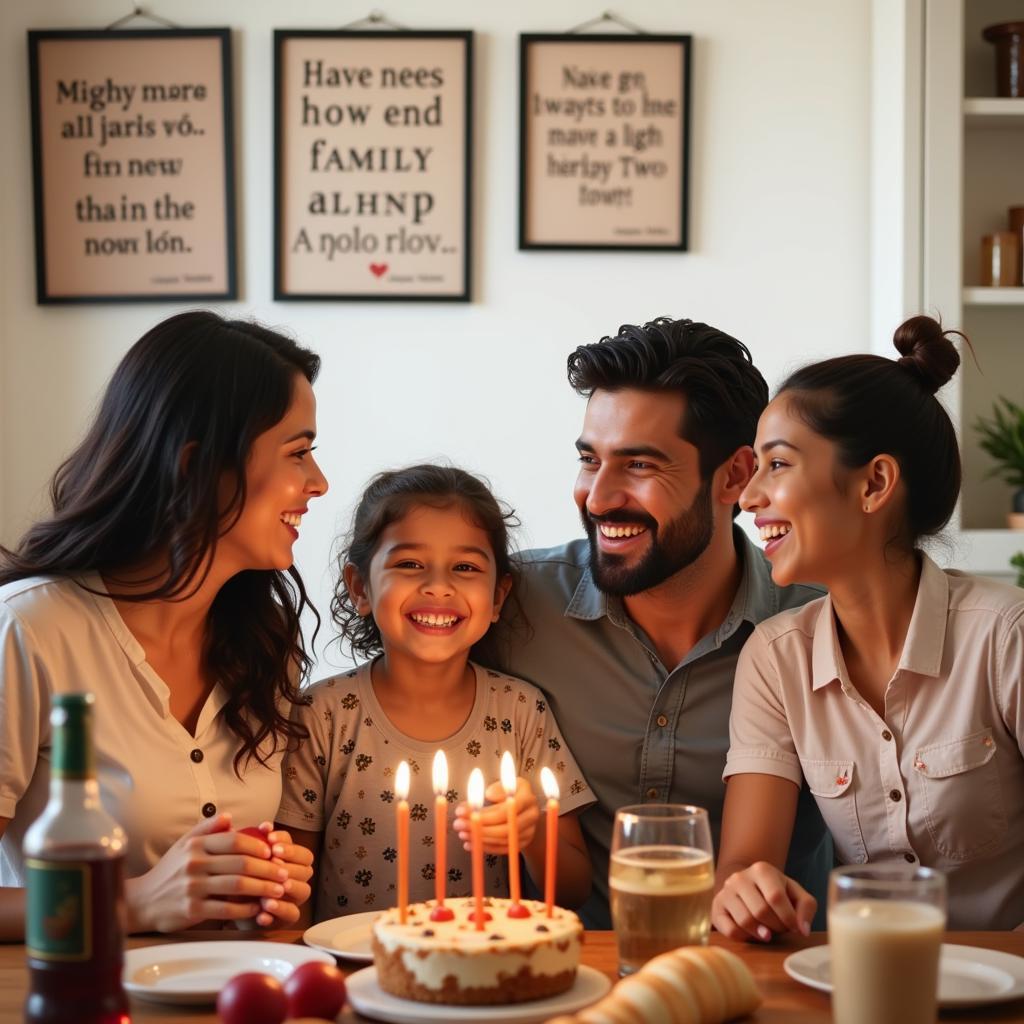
<point x="926" y="351"/>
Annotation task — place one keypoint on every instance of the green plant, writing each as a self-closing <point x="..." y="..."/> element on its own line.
<point x="1002" y="437"/>
<point x="1018" y="563"/>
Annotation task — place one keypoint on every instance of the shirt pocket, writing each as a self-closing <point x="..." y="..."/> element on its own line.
<point x="962" y="795"/>
<point x="831" y="784"/>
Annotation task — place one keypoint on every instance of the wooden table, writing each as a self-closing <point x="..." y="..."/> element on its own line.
<point x="786" y="1001"/>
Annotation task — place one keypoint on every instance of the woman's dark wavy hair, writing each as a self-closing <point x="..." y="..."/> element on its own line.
<point x="868" y="405"/>
<point x="724" y="392"/>
<point x="387" y="498"/>
<point x="200" y="384"/>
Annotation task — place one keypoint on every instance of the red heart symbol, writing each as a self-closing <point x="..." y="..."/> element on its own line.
<point x="378" y="269"/>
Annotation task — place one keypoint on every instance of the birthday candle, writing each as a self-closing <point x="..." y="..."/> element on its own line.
<point x="402" y="828"/>
<point x="440" y="773"/>
<point x="508" y="782"/>
<point x="475" y="794"/>
<point x="550" y="786"/>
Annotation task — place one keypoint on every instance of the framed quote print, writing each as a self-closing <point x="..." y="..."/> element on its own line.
<point x="372" y="165"/>
<point x="604" y="136"/>
<point x="133" y="165"/>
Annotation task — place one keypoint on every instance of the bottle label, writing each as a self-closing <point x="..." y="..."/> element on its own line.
<point x="58" y="914"/>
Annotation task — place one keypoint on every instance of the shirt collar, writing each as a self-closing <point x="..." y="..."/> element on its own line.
<point x="756" y="597"/>
<point x="922" y="649"/>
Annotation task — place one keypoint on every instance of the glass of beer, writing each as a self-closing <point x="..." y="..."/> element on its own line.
<point x="660" y="878"/>
<point x="885" y="925"/>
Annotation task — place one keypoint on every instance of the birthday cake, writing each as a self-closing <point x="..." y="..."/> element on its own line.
<point x="512" y="960"/>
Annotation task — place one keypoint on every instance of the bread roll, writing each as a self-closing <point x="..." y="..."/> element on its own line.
<point x="691" y="985"/>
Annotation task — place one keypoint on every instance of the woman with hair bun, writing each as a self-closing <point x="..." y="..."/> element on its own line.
<point x="897" y="696"/>
<point x="163" y="582"/>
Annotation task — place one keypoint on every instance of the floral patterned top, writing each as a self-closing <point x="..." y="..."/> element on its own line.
<point x="341" y="782"/>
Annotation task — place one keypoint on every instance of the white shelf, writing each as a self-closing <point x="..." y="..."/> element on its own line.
<point x="994" y="113"/>
<point x="993" y="297"/>
<point x="987" y="551"/>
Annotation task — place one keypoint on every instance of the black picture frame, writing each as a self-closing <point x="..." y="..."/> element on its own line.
<point x="45" y="293"/>
<point x="526" y="187"/>
<point x="359" y="293"/>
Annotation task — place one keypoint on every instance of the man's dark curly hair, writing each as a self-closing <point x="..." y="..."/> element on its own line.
<point x="724" y="393"/>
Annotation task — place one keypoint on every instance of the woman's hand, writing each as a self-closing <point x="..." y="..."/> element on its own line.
<point x="494" y="817"/>
<point x="209" y="874"/>
<point x="759" y="902"/>
<point x="298" y="862"/>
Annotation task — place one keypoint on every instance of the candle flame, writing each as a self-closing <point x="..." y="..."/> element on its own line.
<point x="402" y="781"/>
<point x="508" y="774"/>
<point x="440" y="773"/>
<point x="548" y="783"/>
<point x="476" y="789"/>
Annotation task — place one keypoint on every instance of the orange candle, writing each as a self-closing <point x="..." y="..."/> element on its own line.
<point x="550" y="786"/>
<point x="476" y="838"/>
<point x="402" y="828"/>
<point x="508" y="782"/>
<point x="440" y="773"/>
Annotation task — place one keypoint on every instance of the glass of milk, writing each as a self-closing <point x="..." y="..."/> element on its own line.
<point x="885" y="926"/>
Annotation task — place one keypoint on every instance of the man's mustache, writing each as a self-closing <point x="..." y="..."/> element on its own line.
<point x="622" y="519"/>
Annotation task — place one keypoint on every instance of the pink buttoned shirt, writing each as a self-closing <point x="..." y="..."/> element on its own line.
<point x="939" y="780"/>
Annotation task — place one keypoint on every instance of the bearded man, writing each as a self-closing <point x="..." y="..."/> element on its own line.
<point x="633" y="633"/>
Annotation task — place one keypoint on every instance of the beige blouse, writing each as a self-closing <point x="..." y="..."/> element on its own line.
<point x="940" y="778"/>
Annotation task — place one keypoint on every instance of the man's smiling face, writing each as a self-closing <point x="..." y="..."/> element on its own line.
<point x="646" y="510"/>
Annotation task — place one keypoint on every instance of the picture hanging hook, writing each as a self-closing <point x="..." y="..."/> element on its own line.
<point x="139" y="12"/>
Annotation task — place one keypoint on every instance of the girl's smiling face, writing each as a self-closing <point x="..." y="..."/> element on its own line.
<point x="807" y="506"/>
<point x="433" y="586"/>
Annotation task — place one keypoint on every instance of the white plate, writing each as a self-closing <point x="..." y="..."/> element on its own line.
<point x="968" y="975"/>
<point x="195" y="972"/>
<point x="367" y="998"/>
<point x="344" y="936"/>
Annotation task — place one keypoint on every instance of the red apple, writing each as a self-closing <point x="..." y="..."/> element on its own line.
<point x="256" y="833"/>
<point x="315" y="990"/>
<point x="252" y="998"/>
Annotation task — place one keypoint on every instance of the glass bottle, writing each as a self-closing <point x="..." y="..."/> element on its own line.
<point x="74" y="907"/>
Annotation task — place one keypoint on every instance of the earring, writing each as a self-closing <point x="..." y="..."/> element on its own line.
<point x="866" y="509"/>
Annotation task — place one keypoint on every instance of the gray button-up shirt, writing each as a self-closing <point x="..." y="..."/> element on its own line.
<point x="642" y="732"/>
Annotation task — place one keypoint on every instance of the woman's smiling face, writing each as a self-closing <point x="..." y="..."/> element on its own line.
<point x="806" y="505"/>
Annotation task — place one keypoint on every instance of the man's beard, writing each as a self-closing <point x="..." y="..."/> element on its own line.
<point x="684" y="540"/>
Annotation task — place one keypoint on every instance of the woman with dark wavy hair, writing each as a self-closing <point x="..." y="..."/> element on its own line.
<point x="163" y="582"/>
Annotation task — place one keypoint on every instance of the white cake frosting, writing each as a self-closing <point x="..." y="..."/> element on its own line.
<point x="432" y="951"/>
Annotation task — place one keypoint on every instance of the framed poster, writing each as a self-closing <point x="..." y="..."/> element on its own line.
<point x="133" y="165"/>
<point x="604" y="138"/>
<point x="372" y="165"/>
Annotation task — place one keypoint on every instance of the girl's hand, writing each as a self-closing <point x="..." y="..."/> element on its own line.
<point x="759" y="902"/>
<point x="209" y="874"/>
<point x="494" y="818"/>
<point x="298" y="862"/>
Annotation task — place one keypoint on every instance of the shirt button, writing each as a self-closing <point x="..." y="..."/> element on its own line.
<point x="196" y="755"/>
<point x="209" y="810"/>
<point x="895" y="796"/>
<point x="652" y="793"/>
<point x="909" y="858"/>
<point x="886" y="735"/>
<point x="662" y="721"/>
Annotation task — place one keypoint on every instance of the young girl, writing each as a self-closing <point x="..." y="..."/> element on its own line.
<point x="425" y="573"/>
<point x="897" y="696"/>
<point x="163" y="582"/>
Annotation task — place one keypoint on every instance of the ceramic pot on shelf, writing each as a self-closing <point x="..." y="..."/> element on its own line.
<point x="1008" y="39"/>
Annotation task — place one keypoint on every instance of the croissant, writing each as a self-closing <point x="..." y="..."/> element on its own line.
<point x="691" y="985"/>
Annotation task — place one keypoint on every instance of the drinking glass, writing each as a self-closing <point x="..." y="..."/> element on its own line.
<point x="660" y="879"/>
<point x="885" y="925"/>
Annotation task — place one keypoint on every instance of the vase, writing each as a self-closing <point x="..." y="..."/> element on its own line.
<point x="1008" y="39"/>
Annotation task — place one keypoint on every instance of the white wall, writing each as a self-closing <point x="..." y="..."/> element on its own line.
<point x="779" y="238"/>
